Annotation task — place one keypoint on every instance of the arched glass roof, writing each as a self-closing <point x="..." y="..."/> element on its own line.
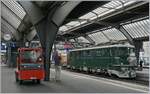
<point x="137" y="29"/>
<point x="12" y="15"/>
<point x="102" y="10"/>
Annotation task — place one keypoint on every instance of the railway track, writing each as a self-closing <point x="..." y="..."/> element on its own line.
<point x="136" y="80"/>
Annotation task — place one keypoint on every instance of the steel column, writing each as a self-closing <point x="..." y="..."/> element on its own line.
<point x="31" y="35"/>
<point x="138" y="47"/>
<point x="47" y="26"/>
<point x="126" y="34"/>
<point x="89" y="39"/>
<point x="39" y="20"/>
<point x="47" y="32"/>
<point x="9" y="54"/>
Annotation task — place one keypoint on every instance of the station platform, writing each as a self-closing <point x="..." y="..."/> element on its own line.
<point x="143" y="75"/>
<point x="71" y="82"/>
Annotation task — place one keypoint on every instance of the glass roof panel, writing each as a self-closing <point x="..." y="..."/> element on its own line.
<point x="98" y="37"/>
<point x="15" y="7"/>
<point x="73" y="23"/>
<point x="101" y="14"/>
<point x="114" y="34"/>
<point x="138" y="29"/>
<point x="87" y="16"/>
<point x="72" y="40"/>
<point x="9" y="16"/>
<point x="126" y="2"/>
<point x="63" y="28"/>
<point x="145" y="26"/>
<point x="83" y="22"/>
<point x="100" y="10"/>
<point x="6" y="28"/>
<point x="112" y="4"/>
<point x="82" y="39"/>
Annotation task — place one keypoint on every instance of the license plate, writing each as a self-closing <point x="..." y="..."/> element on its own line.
<point x="33" y="78"/>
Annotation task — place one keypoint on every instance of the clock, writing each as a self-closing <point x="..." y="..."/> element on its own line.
<point x="7" y="37"/>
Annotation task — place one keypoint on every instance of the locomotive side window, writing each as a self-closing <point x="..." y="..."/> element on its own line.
<point x="98" y="52"/>
<point x="88" y="53"/>
<point x="121" y="51"/>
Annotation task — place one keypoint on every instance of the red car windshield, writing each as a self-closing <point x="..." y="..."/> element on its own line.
<point x="31" y="56"/>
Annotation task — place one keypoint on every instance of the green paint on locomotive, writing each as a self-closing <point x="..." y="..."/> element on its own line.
<point x="104" y="58"/>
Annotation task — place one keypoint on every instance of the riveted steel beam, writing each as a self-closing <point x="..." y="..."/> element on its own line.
<point x="33" y="11"/>
<point x="62" y="12"/>
<point x="89" y="39"/>
<point x="25" y="24"/>
<point x="126" y="34"/>
<point x="31" y="34"/>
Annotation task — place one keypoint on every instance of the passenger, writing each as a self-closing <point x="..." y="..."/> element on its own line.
<point x="57" y="59"/>
<point x="141" y="64"/>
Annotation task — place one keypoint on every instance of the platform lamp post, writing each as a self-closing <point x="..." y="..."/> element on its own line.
<point x="7" y="38"/>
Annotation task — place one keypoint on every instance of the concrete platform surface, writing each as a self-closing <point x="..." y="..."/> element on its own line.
<point x="70" y="83"/>
<point x="143" y="75"/>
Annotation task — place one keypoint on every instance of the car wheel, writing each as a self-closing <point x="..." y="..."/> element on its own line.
<point x="38" y="81"/>
<point x="20" y="82"/>
<point x="16" y="76"/>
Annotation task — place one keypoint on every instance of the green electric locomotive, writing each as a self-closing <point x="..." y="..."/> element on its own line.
<point x="118" y="60"/>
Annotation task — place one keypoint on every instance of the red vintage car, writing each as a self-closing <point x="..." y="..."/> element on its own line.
<point x="30" y="65"/>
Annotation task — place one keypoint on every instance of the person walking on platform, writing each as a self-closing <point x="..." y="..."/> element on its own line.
<point x="57" y="58"/>
<point x="141" y="65"/>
